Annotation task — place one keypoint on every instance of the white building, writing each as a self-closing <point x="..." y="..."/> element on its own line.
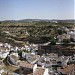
<point x="72" y="34"/>
<point x="1" y="44"/>
<point x="63" y="36"/>
<point x="3" y="54"/>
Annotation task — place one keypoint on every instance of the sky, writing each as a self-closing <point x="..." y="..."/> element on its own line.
<point x="36" y="9"/>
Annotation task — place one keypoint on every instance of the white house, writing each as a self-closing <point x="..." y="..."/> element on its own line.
<point x="3" y="54"/>
<point x="63" y="36"/>
<point x="15" y="49"/>
<point x="72" y="35"/>
<point x="1" y="44"/>
<point x="27" y="48"/>
<point x="39" y="70"/>
<point x="1" y="71"/>
<point x="13" y="60"/>
<point x="24" y="54"/>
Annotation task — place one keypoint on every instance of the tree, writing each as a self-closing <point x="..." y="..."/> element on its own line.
<point x="20" y="53"/>
<point x="66" y="41"/>
<point x="53" y="42"/>
<point x="71" y="39"/>
<point x="59" y="32"/>
<point x="41" y="52"/>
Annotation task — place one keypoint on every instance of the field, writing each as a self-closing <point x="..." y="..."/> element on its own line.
<point x="21" y="33"/>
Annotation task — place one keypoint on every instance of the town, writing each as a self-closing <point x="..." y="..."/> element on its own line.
<point x="54" y="57"/>
<point x="37" y="37"/>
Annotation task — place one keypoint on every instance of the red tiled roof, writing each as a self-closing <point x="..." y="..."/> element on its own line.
<point x="26" y="64"/>
<point x="68" y="69"/>
<point x="39" y="71"/>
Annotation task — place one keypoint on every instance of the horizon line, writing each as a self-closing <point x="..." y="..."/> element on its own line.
<point x="34" y="19"/>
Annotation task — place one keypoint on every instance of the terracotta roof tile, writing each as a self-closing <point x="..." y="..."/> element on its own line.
<point x="26" y="64"/>
<point x="39" y="71"/>
<point x="68" y="69"/>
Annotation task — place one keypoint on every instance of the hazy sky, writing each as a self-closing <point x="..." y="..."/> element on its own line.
<point x="36" y="9"/>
